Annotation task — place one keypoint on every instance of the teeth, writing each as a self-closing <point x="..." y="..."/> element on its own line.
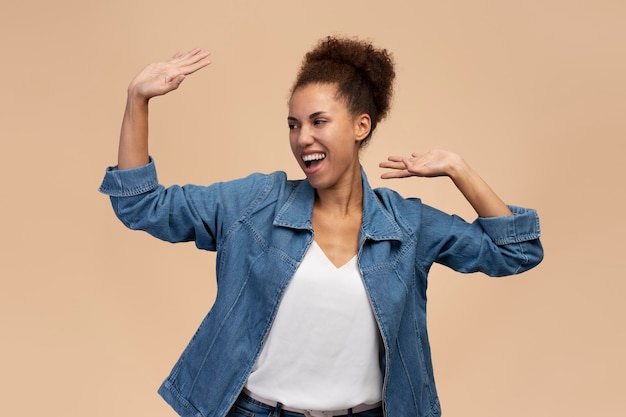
<point x="314" y="157"/>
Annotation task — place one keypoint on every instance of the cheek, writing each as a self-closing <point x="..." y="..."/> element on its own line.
<point x="292" y="141"/>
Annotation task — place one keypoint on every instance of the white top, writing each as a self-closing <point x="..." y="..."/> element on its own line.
<point x="323" y="350"/>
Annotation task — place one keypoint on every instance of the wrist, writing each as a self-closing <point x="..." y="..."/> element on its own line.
<point x="136" y="102"/>
<point x="457" y="167"/>
<point x="135" y="96"/>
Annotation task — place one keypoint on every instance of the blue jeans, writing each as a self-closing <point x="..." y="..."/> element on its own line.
<point x="249" y="407"/>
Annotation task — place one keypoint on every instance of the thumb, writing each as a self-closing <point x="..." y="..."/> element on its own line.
<point x="178" y="79"/>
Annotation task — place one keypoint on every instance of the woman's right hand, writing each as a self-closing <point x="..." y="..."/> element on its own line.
<point x="154" y="80"/>
<point x="160" y="78"/>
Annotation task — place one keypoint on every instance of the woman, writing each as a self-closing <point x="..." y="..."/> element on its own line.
<point x="321" y="303"/>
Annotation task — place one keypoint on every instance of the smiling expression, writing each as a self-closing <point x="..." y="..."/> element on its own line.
<point x="324" y="135"/>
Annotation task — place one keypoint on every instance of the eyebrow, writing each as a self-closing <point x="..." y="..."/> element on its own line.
<point x="311" y="116"/>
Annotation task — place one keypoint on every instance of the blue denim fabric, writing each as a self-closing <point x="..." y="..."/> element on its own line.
<point x="261" y="228"/>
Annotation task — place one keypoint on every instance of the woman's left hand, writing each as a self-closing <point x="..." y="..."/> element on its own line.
<point x="435" y="163"/>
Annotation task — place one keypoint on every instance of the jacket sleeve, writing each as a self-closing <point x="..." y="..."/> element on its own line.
<point x="177" y="213"/>
<point x="496" y="246"/>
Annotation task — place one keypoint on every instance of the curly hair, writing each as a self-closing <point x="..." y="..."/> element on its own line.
<point x="363" y="74"/>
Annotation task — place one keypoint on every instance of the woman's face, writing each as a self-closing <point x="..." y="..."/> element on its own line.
<point x="325" y="136"/>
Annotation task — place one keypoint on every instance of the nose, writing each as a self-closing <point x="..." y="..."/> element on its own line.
<point x="305" y="136"/>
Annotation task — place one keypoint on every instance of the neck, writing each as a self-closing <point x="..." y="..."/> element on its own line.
<point x="345" y="199"/>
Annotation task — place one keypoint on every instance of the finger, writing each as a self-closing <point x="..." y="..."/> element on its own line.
<point x="194" y="51"/>
<point x="190" y="69"/>
<point x="194" y="63"/>
<point x="187" y="54"/>
<point x="193" y="56"/>
<point x="395" y="162"/>
<point x="392" y="165"/>
<point x="177" y="80"/>
<point x="183" y="60"/>
<point x="409" y="162"/>
<point x="395" y="174"/>
<point x="174" y="69"/>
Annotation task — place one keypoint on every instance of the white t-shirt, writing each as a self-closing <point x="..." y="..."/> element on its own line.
<point x="323" y="350"/>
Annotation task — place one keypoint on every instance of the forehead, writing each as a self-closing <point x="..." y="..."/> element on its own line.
<point x="316" y="97"/>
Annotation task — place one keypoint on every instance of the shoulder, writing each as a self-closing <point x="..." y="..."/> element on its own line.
<point x="411" y="213"/>
<point x="255" y="180"/>
<point x="257" y="187"/>
<point x="251" y="186"/>
<point x="394" y="202"/>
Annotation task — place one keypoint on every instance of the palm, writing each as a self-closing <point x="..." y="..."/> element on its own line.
<point x="434" y="163"/>
<point x="162" y="77"/>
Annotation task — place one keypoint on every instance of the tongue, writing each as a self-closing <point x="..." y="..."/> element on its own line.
<point x="314" y="163"/>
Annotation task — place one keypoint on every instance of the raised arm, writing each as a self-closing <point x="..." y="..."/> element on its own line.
<point x="154" y="80"/>
<point x="438" y="163"/>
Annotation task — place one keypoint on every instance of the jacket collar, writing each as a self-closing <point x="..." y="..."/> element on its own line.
<point x="378" y="223"/>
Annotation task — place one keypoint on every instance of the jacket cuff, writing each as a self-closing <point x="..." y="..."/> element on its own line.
<point x="129" y="182"/>
<point x="522" y="226"/>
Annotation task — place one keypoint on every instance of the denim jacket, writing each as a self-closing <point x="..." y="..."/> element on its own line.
<point x="261" y="228"/>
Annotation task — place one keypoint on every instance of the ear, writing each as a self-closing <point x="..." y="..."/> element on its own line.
<point x="362" y="126"/>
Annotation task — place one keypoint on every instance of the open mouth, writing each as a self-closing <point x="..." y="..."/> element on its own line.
<point x="313" y="159"/>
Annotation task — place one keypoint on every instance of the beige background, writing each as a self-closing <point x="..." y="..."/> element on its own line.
<point x="532" y="93"/>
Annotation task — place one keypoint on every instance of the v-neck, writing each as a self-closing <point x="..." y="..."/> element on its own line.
<point x="331" y="263"/>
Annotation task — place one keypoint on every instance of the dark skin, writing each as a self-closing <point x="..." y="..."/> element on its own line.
<point x="322" y="126"/>
<point x="322" y="129"/>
